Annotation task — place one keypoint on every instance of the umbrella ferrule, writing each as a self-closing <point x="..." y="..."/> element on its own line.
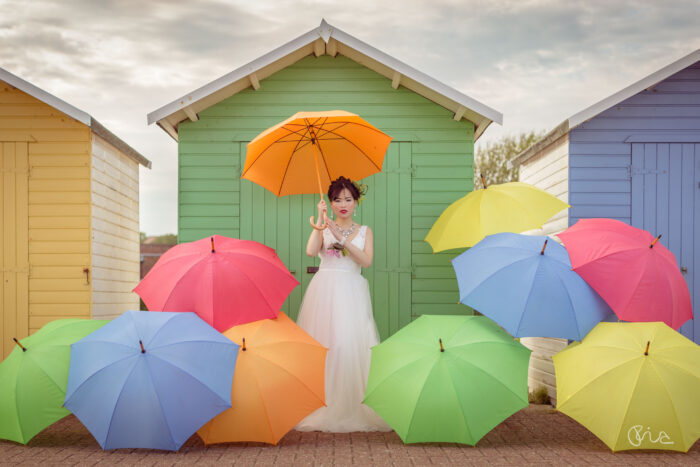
<point x="24" y="349"/>
<point x="243" y="348"/>
<point x="483" y="181"/>
<point x="654" y="242"/>
<point x="212" y="245"/>
<point x="143" y="350"/>
<point x="544" y="246"/>
<point x="646" y="352"/>
<point x="442" y="349"/>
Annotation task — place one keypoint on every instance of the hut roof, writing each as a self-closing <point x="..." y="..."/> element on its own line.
<point x="74" y="113"/>
<point x="603" y="105"/>
<point x="325" y="39"/>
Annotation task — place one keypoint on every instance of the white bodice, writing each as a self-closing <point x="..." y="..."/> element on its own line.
<point x="334" y="260"/>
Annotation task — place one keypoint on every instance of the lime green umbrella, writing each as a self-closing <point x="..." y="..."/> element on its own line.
<point x="447" y="379"/>
<point x="34" y="376"/>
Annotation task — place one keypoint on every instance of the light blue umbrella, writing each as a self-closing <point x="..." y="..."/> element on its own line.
<point x="527" y="287"/>
<point x="150" y="380"/>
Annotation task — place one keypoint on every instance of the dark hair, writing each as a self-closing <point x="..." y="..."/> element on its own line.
<point x="339" y="185"/>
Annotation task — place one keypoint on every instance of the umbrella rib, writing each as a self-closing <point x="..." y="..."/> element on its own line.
<point x="268" y="147"/>
<point x="291" y="374"/>
<point x="162" y="410"/>
<point x="121" y="392"/>
<point x="494" y="273"/>
<point x="289" y="162"/>
<point x="464" y="415"/>
<point x="267" y="412"/>
<point x="668" y="393"/>
<point x="356" y="147"/>
<point x="629" y="402"/>
<point x="527" y="300"/>
<point x="420" y="394"/>
<point x="573" y="308"/>
<point x="481" y="370"/>
<point x="325" y="163"/>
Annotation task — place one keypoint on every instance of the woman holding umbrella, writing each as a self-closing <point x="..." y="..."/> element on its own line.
<point x="337" y="312"/>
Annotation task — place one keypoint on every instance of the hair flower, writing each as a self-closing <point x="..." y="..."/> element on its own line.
<point x="362" y="189"/>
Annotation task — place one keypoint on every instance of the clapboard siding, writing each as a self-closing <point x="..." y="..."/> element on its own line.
<point x="441" y="150"/>
<point x="115" y="231"/>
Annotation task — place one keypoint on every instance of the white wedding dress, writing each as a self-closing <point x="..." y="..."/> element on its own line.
<point x="337" y="312"/>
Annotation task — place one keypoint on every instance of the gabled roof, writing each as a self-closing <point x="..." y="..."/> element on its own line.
<point x="610" y="101"/>
<point x="325" y="39"/>
<point x="74" y="113"/>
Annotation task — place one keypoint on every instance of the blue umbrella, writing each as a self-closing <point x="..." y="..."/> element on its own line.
<point x="150" y="380"/>
<point x="526" y="285"/>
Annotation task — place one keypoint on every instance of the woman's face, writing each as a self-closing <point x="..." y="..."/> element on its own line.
<point x="343" y="204"/>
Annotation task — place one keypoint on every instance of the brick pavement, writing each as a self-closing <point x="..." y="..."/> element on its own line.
<point x="534" y="436"/>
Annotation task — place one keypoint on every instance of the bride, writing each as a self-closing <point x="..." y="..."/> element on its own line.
<point x="337" y="312"/>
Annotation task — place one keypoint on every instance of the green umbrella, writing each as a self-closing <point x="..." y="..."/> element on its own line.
<point x="447" y="379"/>
<point x="34" y="376"/>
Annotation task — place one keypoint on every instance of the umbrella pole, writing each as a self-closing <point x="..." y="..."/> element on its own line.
<point x="320" y="189"/>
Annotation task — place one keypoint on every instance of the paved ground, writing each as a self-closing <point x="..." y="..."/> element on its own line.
<point x="534" y="436"/>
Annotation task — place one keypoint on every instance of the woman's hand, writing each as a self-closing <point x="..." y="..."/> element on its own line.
<point x="335" y="230"/>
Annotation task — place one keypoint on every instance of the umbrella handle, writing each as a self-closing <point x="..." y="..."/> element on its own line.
<point x="322" y="220"/>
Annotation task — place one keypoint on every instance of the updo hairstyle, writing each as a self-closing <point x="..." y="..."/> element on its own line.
<point x="339" y="185"/>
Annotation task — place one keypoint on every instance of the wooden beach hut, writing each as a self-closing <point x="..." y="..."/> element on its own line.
<point x="69" y="206"/>
<point x="428" y="165"/>
<point x="634" y="156"/>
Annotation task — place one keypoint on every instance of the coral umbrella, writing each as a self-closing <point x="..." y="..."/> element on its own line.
<point x="150" y="380"/>
<point x="525" y="284"/>
<point x="34" y="376"/>
<point x="508" y="207"/>
<point x="634" y="273"/>
<point x="634" y="385"/>
<point x="224" y="280"/>
<point x="304" y="153"/>
<point x="279" y="380"/>
<point x="447" y="379"/>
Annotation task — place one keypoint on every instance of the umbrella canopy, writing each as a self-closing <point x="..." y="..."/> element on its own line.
<point x="632" y="271"/>
<point x="509" y="207"/>
<point x="634" y="385"/>
<point x="224" y="280"/>
<point x="447" y="379"/>
<point x="33" y="378"/>
<point x="279" y="380"/>
<point x="525" y="284"/>
<point x="304" y="153"/>
<point x="150" y="380"/>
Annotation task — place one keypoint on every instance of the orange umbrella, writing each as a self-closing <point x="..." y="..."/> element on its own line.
<point x="279" y="380"/>
<point x="284" y="158"/>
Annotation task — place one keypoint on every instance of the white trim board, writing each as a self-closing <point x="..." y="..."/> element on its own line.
<point x="332" y="41"/>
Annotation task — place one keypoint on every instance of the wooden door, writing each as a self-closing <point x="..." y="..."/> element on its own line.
<point x="666" y="201"/>
<point x="14" y="244"/>
<point x="282" y="224"/>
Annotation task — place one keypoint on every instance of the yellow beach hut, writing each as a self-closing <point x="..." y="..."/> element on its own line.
<point x="69" y="213"/>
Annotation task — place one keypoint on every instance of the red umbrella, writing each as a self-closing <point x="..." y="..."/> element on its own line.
<point x="635" y="274"/>
<point x="224" y="280"/>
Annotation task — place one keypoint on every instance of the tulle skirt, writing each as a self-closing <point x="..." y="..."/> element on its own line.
<point x="337" y="312"/>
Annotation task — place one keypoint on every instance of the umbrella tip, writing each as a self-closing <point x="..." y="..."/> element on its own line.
<point x="243" y="347"/>
<point x="544" y="246"/>
<point x="143" y="350"/>
<point x="212" y="245"/>
<point x="24" y="349"/>
<point x="442" y="349"/>
<point x="654" y="242"/>
<point x="646" y="352"/>
<point x="483" y="180"/>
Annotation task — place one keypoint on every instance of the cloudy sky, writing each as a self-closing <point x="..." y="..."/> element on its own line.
<point x="536" y="61"/>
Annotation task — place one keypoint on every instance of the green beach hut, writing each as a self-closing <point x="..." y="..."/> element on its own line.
<point x="428" y="165"/>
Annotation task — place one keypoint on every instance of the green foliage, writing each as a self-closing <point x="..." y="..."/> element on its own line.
<point x="167" y="239"/>
<point x="493" y="159"/>
<point x="142" y="237"/>
<point x="539" y="396"/>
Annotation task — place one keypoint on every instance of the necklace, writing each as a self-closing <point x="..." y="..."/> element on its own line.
<point x="347" y="233"/>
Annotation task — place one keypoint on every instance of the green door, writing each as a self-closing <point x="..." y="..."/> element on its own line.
<point x="283" y="224"/>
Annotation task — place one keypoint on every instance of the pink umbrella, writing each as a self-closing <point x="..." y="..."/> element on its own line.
<point x="637" y="276"/>
<point x="224" y="280"/>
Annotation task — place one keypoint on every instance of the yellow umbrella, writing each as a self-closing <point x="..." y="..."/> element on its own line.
<point x="304" y="153"/>
<point x="509" y="207"/>
<point x="279" y="380"/>
<point x="634" y="385"/>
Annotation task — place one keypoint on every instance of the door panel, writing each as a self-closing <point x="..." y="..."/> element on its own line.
<point x="666" y="201"/>
<point x="282" y="224"/>
<point x="14" y="247"/>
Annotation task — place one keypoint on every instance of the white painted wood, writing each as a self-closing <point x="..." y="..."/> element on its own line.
<point x="460" y="113"/>
<point x="191" y="114"/>
<point x="115" y="267"/>
<point x="254" y="81"/>
<point x="396" y="80"/>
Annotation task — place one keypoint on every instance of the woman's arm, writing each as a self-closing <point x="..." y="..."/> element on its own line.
<point x="315" y="243"/>
<point x="362" y="257"/>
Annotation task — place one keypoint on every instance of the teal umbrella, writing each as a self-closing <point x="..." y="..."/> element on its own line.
<point x="34" y="376"/>
<point x="447" y="379"/>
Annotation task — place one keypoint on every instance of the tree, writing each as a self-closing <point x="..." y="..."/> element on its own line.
<point x="142" y="237"/>
<point x="493" y="160"/>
